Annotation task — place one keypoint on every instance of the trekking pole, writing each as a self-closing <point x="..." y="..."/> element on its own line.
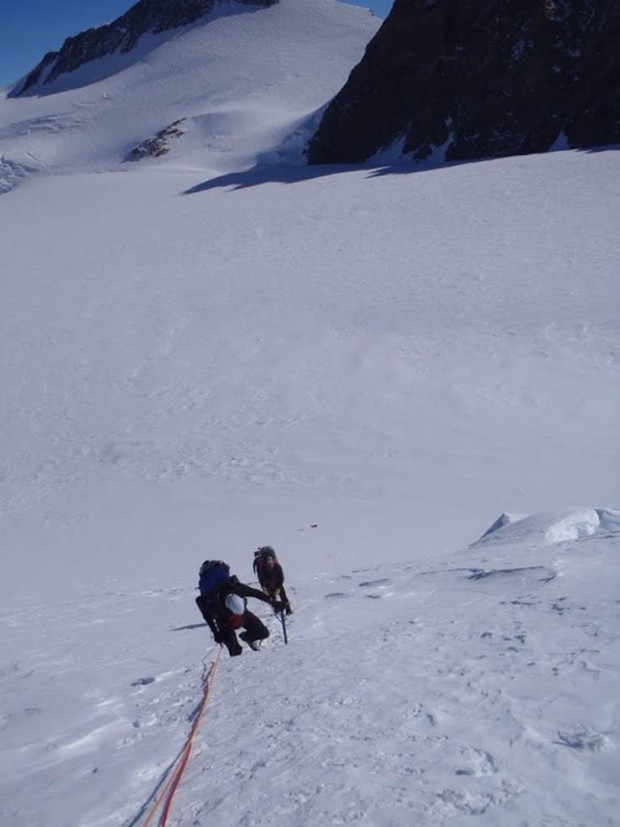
<point x="283" y="622"/>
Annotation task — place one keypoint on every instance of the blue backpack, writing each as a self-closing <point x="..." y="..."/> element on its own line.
<point x="212" y="574"/>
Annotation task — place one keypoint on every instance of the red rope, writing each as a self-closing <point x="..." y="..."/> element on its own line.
<point x="173" y="782"/>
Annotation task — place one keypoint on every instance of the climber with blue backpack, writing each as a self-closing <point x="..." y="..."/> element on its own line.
<point x="223" y="604"/>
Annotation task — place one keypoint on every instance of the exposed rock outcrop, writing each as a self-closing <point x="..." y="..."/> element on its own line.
<point x="122" y="35"/>
<point x="159" y="144"/>
<point x="479" y="79"/>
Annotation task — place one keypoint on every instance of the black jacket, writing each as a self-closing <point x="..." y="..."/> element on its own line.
<point x="271" y="577"/>
<point x="234" y="586"/>
<point x="213" y="606"/>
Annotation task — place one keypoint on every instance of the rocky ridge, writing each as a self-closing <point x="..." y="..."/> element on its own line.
<point x="479" y="79"/>
<point x="121" y="35"/>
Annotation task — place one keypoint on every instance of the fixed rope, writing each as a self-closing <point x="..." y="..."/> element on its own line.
<point x="167" y="794"/>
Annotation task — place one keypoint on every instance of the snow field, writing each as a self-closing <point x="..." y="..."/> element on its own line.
<point x="181" y="366"/>
<point x="432" y="692"/>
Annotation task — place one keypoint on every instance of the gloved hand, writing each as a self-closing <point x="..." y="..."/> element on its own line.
<point x="277" y="606"/>
<point x="217" y="637"/>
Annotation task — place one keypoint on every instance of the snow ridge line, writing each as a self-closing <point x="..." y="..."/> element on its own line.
<point x="173" y="782"/>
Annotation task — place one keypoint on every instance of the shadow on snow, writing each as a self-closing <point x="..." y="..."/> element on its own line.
<point x="273" y="174"/>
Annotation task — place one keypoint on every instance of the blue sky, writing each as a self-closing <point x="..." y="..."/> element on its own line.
<point x="30" y="28"/>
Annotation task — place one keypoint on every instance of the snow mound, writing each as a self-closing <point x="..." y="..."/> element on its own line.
<point x="552" y="527"/>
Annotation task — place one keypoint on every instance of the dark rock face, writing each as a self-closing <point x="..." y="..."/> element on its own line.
<point x="481" y="79"/>
<point x="159" y="144"/>
<point x="122" y="35"/>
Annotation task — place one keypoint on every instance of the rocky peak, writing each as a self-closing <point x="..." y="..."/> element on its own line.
<point x="121" y="35"/>
<point x="479" y="79"/>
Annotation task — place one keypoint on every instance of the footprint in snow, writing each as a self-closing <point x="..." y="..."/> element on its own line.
<point x="480" y="763"/>
<point x="583" y="739"/>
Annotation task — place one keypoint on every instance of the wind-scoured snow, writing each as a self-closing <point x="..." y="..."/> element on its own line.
<point x="360" y="367"/>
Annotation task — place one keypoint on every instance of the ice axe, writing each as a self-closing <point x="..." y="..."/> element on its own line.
<point x="283" y="622"/>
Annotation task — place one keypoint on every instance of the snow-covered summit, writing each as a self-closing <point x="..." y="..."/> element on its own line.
<point x="121" y="35"/>
<point x="237" y="78"/>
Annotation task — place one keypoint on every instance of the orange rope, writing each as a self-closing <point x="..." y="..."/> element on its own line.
<point x="173" y="782"/>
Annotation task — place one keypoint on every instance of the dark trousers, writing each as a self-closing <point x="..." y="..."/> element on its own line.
<point x="278" y="593"/>
<point x="255" y="629"/>
<point x="224" y="632"/>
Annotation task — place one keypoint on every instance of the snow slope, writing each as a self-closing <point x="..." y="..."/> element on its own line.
<point x="195" y="367"/>
<point x="243" y="78"/>
<point x="361" y="367"/>
<point x="298" y="348"/>
<point x="478" y="689"/>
